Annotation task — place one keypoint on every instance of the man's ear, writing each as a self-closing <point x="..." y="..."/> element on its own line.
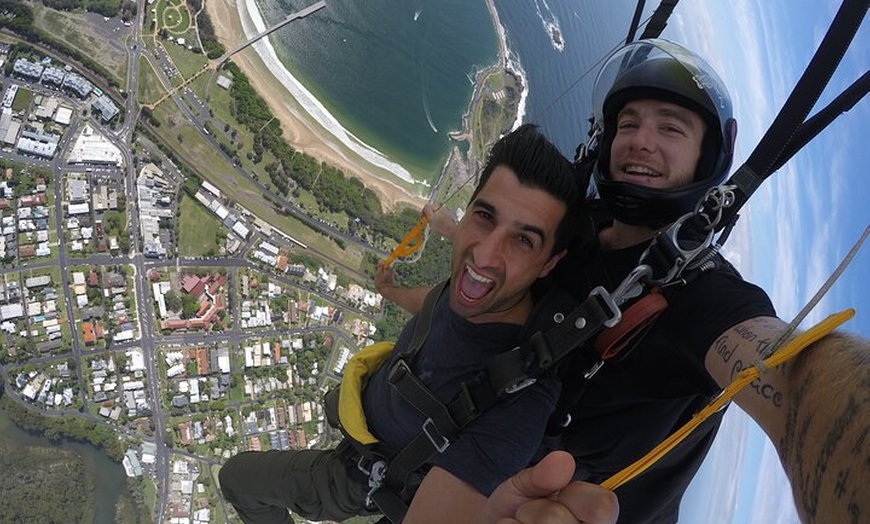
<point x="552" y="263"/>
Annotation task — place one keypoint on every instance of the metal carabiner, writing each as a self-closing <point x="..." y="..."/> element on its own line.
<point x="632" y="285"/>
<point x="684" y="256"/>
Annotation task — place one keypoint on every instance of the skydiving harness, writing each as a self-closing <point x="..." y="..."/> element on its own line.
<point x="392" y="480"/>
<point x="676" y="256"/>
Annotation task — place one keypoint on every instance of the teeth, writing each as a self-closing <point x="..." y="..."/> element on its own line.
<point x="478" y="277"/>
<point x="640" y="170"/>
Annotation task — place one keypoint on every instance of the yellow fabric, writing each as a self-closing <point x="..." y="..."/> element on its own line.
<point x="357" y="369"/>
<point x="786" y="352"/>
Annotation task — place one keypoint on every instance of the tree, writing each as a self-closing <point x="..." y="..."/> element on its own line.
<point x="172" y="300"/>
<point x="189" y="306"/>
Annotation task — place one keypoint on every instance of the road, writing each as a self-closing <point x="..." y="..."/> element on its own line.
<point x="149" y="336"/>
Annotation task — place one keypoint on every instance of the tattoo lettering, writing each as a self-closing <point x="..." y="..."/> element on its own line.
<point x="723" y="349"/>
<point x="854" y="512"/>
<point x="794" y="439"/>
<point x="842" y="480"/>
<point x="745" y="333"/>
<point x="830" y="444"/>
<point x="763" y="346"/>
<point x="766" y="391"/>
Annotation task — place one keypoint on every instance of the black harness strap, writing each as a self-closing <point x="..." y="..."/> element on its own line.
<point x="770" y="152"/>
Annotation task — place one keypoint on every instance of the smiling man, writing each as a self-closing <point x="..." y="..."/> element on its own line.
<point x="512" y="234"/>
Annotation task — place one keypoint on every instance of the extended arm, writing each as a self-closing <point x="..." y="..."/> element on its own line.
<point x="408" y="298"/>
<point x="443" y="497"/>
<point x="815" y="410"/>
<point x="521" y="499"/>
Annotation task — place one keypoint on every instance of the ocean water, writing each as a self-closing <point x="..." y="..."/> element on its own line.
<point x="397" y="74"/>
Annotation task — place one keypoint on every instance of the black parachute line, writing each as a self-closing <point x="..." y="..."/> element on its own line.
<point x="789" y="131"/>
<point x="653" y="27"/>
<point x="815" y="125"/>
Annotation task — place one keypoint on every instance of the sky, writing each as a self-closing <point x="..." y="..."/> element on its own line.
<point x="798" y="225"/>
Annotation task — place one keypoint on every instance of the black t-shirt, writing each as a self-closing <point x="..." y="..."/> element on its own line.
<point x="634" y="404"/>
<point x="493" y="446"/>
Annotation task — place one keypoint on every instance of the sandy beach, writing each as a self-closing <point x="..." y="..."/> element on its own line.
<point x="300" y="128"/>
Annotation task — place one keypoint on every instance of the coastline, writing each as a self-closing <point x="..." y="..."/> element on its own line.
<point x="302" y="130"/>
<point x="309" y="127"/>
<point x="508" y="62"/>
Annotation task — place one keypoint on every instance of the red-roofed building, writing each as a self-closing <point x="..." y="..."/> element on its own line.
<point x="217" y="284"/>
<point x="203" y="307"/>
<point x="88" y="334"/>
<point x="93" y="279"/>
<point x="184" y="433"/>
<point x="32" y="200"/>
<point x="189" y="282"/>
<point x="202" y="361"/>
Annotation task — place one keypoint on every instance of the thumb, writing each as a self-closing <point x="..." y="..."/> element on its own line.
<point x="542" y="480"/>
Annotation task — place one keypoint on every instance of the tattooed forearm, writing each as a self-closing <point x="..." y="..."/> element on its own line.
<point x="726" y="347"/>
<point x="824" y="445"/>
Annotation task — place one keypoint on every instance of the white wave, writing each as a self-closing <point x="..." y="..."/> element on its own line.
<point x="252" y="24"/>
<point x="512" y="63"/>
<point x="515" y="66"/>
<point x="551" y="25"/>
<point x="428" y="114"/>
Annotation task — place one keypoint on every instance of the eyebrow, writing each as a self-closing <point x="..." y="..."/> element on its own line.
<point x="529" y="228"/>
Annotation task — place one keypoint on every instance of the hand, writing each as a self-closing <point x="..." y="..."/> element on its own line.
<point x="385" y="279"/>
<point x="544" y="493"/>
<point x="441" y="221"/>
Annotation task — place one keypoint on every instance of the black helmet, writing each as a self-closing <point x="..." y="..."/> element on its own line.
<point x="662" y="70"/>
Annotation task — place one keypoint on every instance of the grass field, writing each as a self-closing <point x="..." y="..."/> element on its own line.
<point x="149" y="89"/>
<point x="197" y="230"/>
<point x="22" y="100"/>
<point x="187" y="62"/>
<point x="217" y="170"/>
<point x="83" y="33"/>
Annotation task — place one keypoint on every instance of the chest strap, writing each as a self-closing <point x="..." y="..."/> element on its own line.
<point x="503" y="375"/>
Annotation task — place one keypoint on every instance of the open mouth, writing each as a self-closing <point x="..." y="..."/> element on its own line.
<point x="473" y="286"/>
<point x="641" y="171"/>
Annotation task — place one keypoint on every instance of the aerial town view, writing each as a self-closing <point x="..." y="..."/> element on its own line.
<point x="185" y="262"/>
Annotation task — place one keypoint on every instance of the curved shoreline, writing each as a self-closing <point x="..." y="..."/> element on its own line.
<point x="310" y="128"/>
<point x="252" y="16"/>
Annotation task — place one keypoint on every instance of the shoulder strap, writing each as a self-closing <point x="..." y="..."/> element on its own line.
<point x="424" y="322"/>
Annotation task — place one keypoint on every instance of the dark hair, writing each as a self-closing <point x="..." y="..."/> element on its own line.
<point x="537" y="164"/>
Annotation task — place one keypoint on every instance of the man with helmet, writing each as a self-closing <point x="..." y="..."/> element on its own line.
<point x="662" y="135"/>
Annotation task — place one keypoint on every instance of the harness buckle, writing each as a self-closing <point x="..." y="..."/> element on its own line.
<point x="398" y="371"/>
<point x="608" y="299"/>
<point x="439" y="446"/>
<point x="376" y="474"/>
<point x="519" y="385"/>
<point x="593" y="370"/>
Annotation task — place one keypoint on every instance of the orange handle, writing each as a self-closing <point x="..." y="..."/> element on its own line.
<point x="413" y="241"/>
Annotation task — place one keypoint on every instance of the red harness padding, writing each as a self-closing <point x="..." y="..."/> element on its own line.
<point x="611" y="342"/>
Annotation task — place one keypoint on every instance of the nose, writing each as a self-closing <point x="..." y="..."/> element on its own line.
<point x="488" y="251"/>
<point x="643" y="138"/>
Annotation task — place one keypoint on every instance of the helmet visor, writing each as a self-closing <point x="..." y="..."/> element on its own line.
<point x="664" y="66"/>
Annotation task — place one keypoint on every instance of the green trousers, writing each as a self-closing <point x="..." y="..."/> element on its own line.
<point x="315" y="484"/>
